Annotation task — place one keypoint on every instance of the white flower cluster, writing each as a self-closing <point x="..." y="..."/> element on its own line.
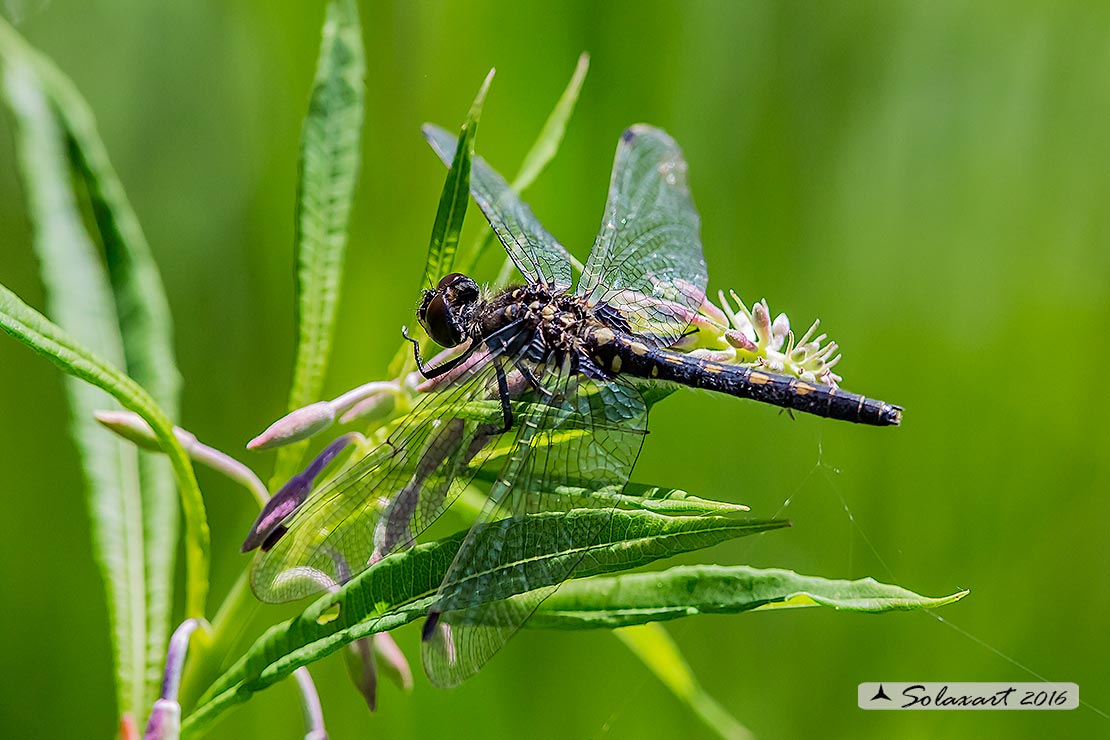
<point x="741" y="336"/>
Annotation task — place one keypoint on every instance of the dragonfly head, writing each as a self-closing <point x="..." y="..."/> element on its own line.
<point x="442" y="310"/>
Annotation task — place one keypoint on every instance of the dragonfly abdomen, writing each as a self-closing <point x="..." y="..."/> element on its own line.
<point x="620" y="353"/>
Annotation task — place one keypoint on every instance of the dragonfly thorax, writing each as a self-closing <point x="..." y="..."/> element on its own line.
<point x="553" y="320"/>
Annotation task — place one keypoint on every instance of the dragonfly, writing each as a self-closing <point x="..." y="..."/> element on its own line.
<point x="547" y="387"/>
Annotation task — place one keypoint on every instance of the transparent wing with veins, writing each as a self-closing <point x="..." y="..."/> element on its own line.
<point x="647" y="260"/>
<point x="535" y="252"/>
<point x="387" y="498"/>
<point x="575" y="428"/>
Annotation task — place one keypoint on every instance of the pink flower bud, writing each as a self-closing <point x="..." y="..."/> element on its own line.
<point x="739" y="340"/>
<point x="708" y="308"/>
<point x="295" y="426"/>
<point x="761" y="320"/>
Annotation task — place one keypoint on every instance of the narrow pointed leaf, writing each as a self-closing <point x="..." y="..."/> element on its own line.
<point x="712" y="589"/>
<point x="144" y="325"/>
<point x="660" y="499"/>
<point x="330" y="155"/>
<point x="400" y="588"/>
<point x="77" y="294"/>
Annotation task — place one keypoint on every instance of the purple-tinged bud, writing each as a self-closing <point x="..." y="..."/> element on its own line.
<point x="165" y="717"/>
<point x="710" y="309"/>
<point x="761" y="321"/>
<point x="268" y="527"/>
<point x="739" y="340"/>
<point x="310" y="703"/>
<point x="359" y="657"/>
<point x="393" y="661"/>
<point x="295" y="426"/>
<point x="165" y="721"/>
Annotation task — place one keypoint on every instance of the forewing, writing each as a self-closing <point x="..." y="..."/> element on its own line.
<point x="647" y="260"/>
<point x="535" y="252"/>
<point x="391" y="495"/>
<point x="583" y="430"/>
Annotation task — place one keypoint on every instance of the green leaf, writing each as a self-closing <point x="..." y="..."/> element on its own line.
<point x="141" y="313"/>
<point x="329" y="165"/>
<point x="78" y="295"/>
<point x="713" y="589"/>
<point x="653" y="645"/>
<point x="455" y="196"/>
<point x="146" y="327"/>
<point x="661" y="500"/>
<point x="400" y="588"/>
<point x="37" y="332"/>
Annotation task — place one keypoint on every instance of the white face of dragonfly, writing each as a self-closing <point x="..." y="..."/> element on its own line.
<point x="442" y="309"/>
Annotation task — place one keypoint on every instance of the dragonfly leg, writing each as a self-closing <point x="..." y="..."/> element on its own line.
<point x="503" y="394"/>
<point x="533" y="381"/>
<point x="434" y="372"/>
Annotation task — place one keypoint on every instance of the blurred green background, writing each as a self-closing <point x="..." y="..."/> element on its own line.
<point x="931" y="180"/>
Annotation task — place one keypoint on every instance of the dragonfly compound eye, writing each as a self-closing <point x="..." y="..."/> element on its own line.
<point x="448" y="280"/>
<point x="438" y="320"/>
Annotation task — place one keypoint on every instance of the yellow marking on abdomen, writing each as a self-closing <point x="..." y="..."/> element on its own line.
<point x="655" y="371"/>
<point x="604" y="336"/>
<point x="615" y="365"/>
<point x="712" y="367"/>
<point x="759" y="379"/>
<point x="803" y="388"/>
<point x="638" y="348"/>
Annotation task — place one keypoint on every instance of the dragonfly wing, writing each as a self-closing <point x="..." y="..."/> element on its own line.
<point x="535" y="252"/>
<point x="647" y="260"/>
<point x="387" y="498"/>
<point x="583" y="429"/>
